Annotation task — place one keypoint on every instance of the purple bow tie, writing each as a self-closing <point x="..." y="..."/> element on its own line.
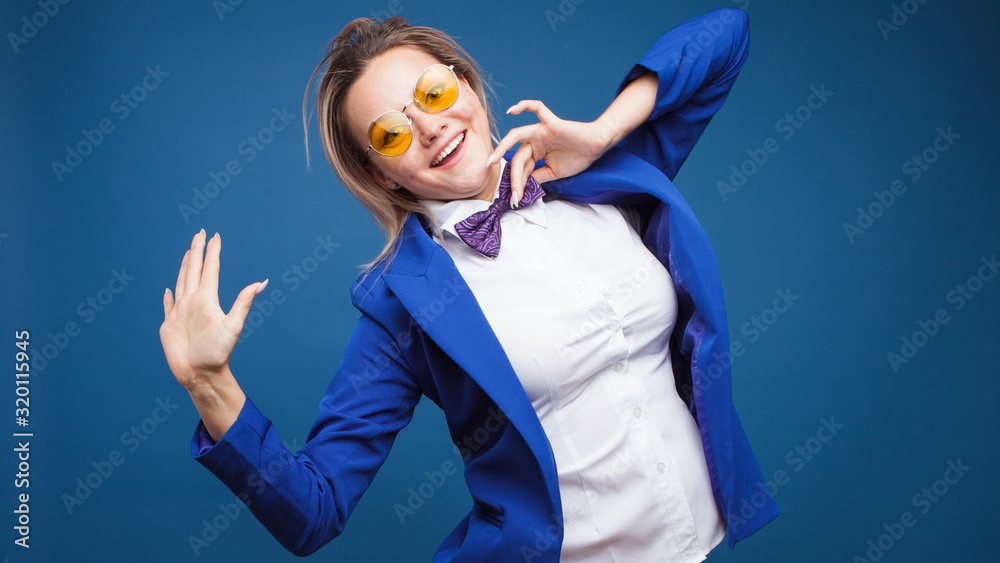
<point x="481" y="230"/>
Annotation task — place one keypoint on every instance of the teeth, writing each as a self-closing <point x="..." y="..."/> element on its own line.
<point x="447" y="150"/>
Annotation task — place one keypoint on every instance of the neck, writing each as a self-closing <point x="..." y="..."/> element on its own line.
<point x="486" y="194"/>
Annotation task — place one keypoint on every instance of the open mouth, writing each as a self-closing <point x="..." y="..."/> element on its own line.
<point x="449" y="152"/>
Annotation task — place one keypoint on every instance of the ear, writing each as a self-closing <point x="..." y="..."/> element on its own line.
<point x="380" y="176"/>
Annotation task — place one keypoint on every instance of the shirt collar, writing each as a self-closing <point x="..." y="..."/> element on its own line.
<point x="447" y="213"/>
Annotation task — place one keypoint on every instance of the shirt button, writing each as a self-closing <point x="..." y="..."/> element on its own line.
<point x="637" y="412"/>
<point x="661" y="467"/>
<point x="542" y="260"/>
<point x="615" y="325"/>
<point x="620" y="367"/>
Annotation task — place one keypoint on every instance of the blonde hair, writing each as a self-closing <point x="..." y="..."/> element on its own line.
<point x="349" y="54"/>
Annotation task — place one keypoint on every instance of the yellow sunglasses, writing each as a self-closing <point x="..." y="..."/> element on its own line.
<point x="436" y="89"/>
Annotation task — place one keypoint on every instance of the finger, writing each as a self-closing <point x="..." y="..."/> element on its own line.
<point x="529" y="166"/>
<point x="513" y="137"/>
<point x="544" y="174"/>
<point x="181" y="276"/>
<point x="168" y="302"/>
<point x="193" y="279"/>
<point x="534" y="106"/>
<point x="522" y="161"/>
<point x="210" y="271"/>
<point x="241" y="307"/>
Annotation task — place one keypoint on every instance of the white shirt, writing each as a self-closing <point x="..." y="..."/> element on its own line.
<point x="584" y="313"/>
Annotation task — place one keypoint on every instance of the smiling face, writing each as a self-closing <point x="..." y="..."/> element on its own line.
<point x="387" y="84"/>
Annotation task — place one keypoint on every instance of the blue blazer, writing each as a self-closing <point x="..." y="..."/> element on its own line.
<point x="422" y="332"/>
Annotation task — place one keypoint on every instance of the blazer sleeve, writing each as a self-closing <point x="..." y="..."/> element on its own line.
<point x="696" y="64"/>
<point x="305" y="498"/>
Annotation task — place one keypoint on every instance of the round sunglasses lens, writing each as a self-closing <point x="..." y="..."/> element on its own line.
<point x="390" y="134"/>
<point x="436" y="88"/>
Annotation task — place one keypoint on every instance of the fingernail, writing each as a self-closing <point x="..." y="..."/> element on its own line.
<point x="261" y="287"/>
<point x="510" y="108"/>
<point x="202" y="232"/>
<point x="216" y="235"/>
<point x="489" y="160"/>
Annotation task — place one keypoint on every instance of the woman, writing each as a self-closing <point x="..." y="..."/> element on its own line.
<point x="576" y="342"/>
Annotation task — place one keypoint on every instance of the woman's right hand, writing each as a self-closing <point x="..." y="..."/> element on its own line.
<point x="197" y="336"/>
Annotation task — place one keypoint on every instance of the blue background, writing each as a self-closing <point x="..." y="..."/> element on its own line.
<point x="825" y="358"/>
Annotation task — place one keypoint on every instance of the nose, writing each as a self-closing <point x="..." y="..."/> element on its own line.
<point x="427" y="127"/>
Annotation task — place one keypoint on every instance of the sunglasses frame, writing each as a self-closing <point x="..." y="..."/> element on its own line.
<point x="424" y="108"/>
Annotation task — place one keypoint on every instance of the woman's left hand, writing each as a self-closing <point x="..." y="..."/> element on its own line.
<point x="568" y="147"/>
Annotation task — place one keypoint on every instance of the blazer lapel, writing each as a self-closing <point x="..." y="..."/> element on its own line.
<point x="423" y="273"/>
